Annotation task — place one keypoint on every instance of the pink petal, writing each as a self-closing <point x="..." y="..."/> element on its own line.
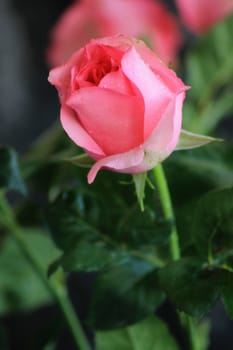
<point x="77" y="133"/>
<point x="168" y="76"/>
<point x="165" y="137"/>
<point x="118" y="162"/>
<point x="60" y="76"/>
<point x="113" y="120"/>
<point x="159" y="145"/>
<point x="155" y="93"/>
<point x="118" y="82"/>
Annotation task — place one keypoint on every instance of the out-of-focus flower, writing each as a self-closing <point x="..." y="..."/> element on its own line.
<point x="201" y="15"/>
<point x="120" y="103"/>
<point x="87" y="19"/>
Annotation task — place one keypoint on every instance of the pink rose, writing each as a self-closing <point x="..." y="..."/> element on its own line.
<point x="87" y="19"/>
<point x="201" y="15"/>
<point x="120" y="103"/>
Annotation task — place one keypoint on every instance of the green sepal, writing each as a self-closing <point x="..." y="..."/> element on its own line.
<point x="190" y="140"/>
<point x="140" y="183"/>
<point x="82" y="160"/>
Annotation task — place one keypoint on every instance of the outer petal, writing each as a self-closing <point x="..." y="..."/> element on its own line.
<point x="155" y="93"/>
<point x="160" y="144"/>
<point x="167" y="75"/>
<point x="114" y="120"/>
<point x="77" y="133"/>
<point x="165" y="137"/>
<point x="60" y="76"/>
<point x="118" y="162"/>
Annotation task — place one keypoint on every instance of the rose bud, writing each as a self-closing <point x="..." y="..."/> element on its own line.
<point x="200" y="15"/>
<point x="120" y="103"/>
<point x="87" y="19"/>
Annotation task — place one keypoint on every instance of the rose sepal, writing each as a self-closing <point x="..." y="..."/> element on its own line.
<point x="189" y="140"/>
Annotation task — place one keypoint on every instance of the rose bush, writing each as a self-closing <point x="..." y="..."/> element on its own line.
<point x="88" y="19"/>
<point x="120" y="103"/>
<point x="201" y="15"/>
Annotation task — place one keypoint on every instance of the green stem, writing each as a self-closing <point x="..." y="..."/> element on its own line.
<point x="165" y="198"/>
<point x="191" y="332"/>
<point x="168" y="211"/>
<point x="57" y="290"/>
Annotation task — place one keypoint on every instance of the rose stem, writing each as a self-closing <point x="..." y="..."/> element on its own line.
<point x="58" y="291"/>
<point x="168" y="211"/>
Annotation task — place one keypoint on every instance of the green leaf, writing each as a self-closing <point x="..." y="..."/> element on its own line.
<point x="209" y="69"/>
<point x="94" y="235"/>
<point x="9" y="172"/>
<point x="151" y="334"/>
<point x="140" y="183"/>
<point x="212" y="225"/>
<point x="130" y="291"/>
<point x="192" y="287"/>
<point x="194" y="172"/>
<point x="85" y="247"/>
<point x="21" y="289"/>
<point x="189" y="140"/>
<point x="143" y="231"/>
<point x="91" y="257"/>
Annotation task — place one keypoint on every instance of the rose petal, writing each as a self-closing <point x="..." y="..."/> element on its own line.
<point x="60" y="76"/>
<point x="166" y="135"/>
<point x="113" y="120"/>
<point x="155" y="93"/>
<point x="77" y="133"/>
<point x="161" y="143"/>
<point x="118" y="162"/>
<point x="168" y="76"/>
<point x="118" y="82"/>
<point x="164" y="138"/>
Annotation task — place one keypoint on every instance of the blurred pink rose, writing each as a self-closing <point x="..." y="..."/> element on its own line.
<point x="120" y="103"/>
<point x="88" y="19"/>
<point x="201" y="15"/>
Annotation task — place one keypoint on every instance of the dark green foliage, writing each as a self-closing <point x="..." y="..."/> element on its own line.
<point x="193" y="287"/>
<point x="119" y="241"/>
<point x="124" y="295"/>
<point x="150" y="334"/>
<point x="194" y="172"/>
<point x="79" y="221"/>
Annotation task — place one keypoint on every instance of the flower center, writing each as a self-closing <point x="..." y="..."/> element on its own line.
<point x="93" y="67"/>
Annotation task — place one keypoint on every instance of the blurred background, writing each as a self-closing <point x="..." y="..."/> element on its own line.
<point x="28" y="106"/>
